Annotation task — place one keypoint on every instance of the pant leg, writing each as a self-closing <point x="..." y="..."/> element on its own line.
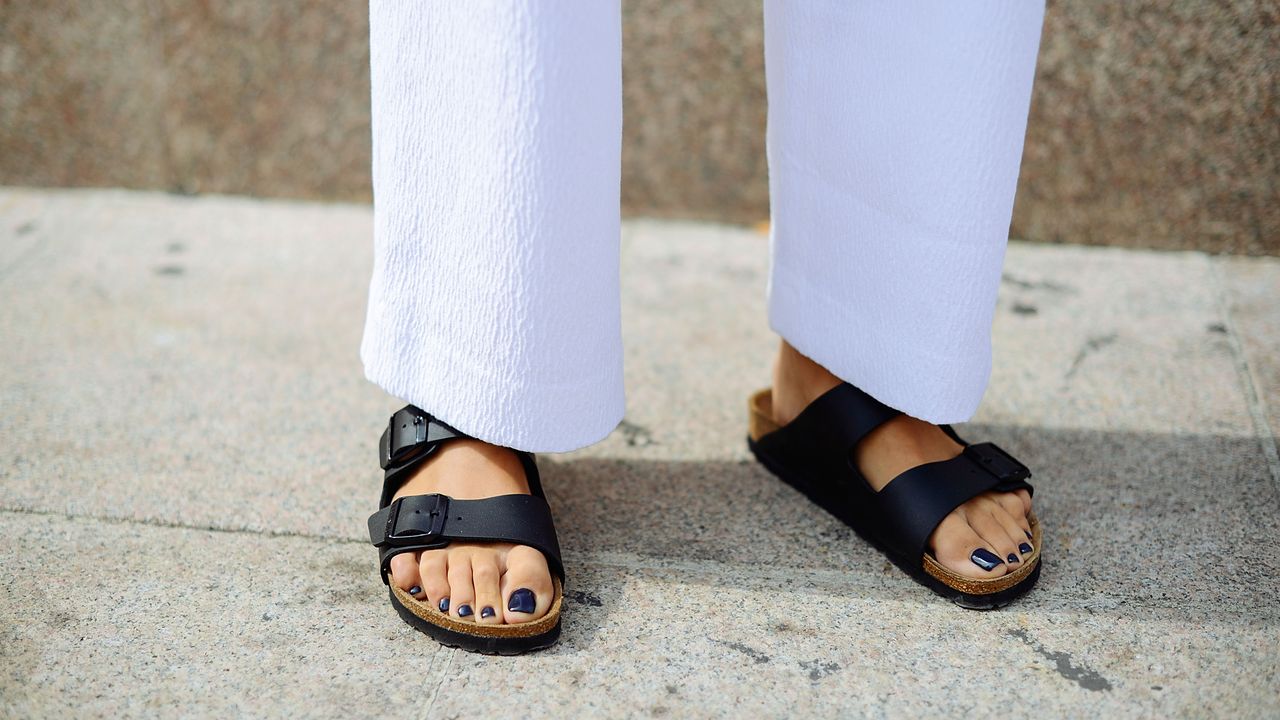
<point x="497" y="132"/>
<point x="894" y="138"/>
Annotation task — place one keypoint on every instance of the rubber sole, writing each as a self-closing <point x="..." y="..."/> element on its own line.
<point x="839" y="509"/>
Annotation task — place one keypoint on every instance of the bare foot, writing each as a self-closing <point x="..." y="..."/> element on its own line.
<point x="994" y="521"/>
<point x="490" y="583"/>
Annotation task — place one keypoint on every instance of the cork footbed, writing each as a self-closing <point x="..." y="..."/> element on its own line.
<point x="468" y="627"/>
<point x="760" y="423"/>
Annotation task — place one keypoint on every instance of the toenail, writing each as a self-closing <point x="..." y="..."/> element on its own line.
<point x="522" y="600"/>
<point x="1024" y="548"/>
<point x="1028" y="534"/>
<point x="985" y="559"/>
<point x="1011" y="559"/>
<point x="464" y="610"/>
<point x="415" y="590"/>
<point x="444" y="604"/>
<point x="487" y="612"/>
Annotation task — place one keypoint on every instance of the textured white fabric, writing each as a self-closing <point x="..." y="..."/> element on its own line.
<point x="497" y="142"/>
<point x="895" y="133"/>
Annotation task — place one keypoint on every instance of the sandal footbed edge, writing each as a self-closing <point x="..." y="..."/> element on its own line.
<point x="426" y="613"/>
<point x="478" y="643"/>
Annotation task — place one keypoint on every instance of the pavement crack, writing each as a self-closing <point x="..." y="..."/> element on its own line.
<point x="1091" y="346"/>
<point x="1262" y="429"/>
<point x="819" y="668"/>
<point x="170" y="525"/>
<point x="757" y="656"/>
<point x="584" y="598"/>
<point x="1047" y="285"/>
<point x="444" y="677"/>
<point x="1081" y="675"/>
<point x="636" y="435"/>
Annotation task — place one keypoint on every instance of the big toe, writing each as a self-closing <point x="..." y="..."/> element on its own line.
<point x="527" y="591"/>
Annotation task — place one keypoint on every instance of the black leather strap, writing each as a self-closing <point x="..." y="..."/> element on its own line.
<point x="411" y="437"/>
<point x="818" y="446"/>
<point x="841" y="416"/>
<point x="912" y="505"/>
<point x="1010" y="474"/>
<point x="424" y="522"/>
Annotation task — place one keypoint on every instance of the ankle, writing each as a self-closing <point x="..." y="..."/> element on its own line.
<point x="797" y="381"/>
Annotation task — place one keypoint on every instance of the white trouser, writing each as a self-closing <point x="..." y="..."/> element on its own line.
<point x="895" y="133"/>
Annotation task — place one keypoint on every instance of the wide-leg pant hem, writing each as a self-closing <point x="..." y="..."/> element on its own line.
<point x="535" y="417"/>
<point x="497" y="139"/>
<point x="894" y="136"/>
<point x="919" y="379"/>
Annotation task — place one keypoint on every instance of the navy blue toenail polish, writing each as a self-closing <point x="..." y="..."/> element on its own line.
<point x="985" y="559"/>
<point x="487" y="612"/>
<point x="415" y="590"/>
<point x="444" y="604"/>
<point x="464" y="610"/>
<point x="1024" y="548"/>
<point x="1011" y="559"/>
<point x="522" y="600"/>
<point x="1028" y="534"/>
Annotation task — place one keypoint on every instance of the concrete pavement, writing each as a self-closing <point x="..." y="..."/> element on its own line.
<point x="187" y="454"/>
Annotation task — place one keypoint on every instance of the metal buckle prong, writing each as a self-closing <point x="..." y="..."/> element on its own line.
<point x="398" y="445"/>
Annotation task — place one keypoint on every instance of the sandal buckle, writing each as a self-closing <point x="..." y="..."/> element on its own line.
<point x="995" y="460"/>
<point x="405" y="431"/>
<point x="424" y="525"/>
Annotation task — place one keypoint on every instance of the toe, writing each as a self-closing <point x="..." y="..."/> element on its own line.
<point x="433" y="572"/>
<point x="527" y="591"/>
<point x="485" y="577"/>
<point x="462" y="593"/>
<point x="1014" y="506"/>
<point x="1025" y="497"/>
<point x="1015" y="526"/>
<point x="982" y="518"/>
<point x="404" y="573"/>
<point x="961" y="550"/>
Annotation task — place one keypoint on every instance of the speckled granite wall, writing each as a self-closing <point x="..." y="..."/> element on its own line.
<point x="265" y="97"/>
<point x="1153" y="124"/>
<point x="1156" y="124"/>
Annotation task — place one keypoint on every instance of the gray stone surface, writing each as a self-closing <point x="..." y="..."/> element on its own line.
<point x="110" y="619"/>
<point x="185" y="469"/>
<point x="1153" y="123"/>
<point x="187" y="334"/>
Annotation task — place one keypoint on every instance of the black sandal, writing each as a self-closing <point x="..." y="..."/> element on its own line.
<point x="814" y="454"/>
<point x="426" y="522"/>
